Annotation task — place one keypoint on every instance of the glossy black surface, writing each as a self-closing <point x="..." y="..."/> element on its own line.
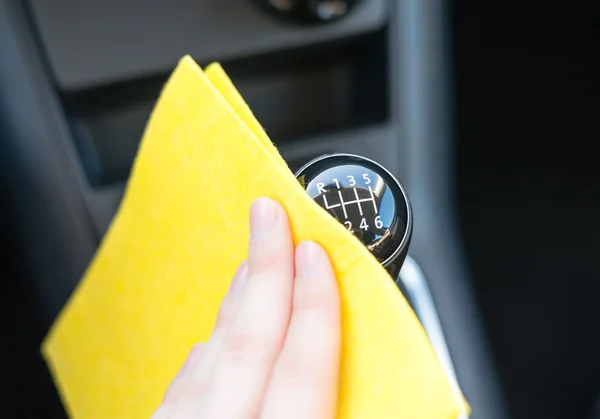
<point x="364" y="197"/>
<point x="308" y="11"/>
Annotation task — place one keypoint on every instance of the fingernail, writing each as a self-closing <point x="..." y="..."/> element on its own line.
<point x="263" y="217"/>
<point x="310" y="260"/>
<point x="192" y="358"/>
<point x="237" y="284"/>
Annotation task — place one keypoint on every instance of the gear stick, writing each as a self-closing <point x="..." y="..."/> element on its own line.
<point x="372" y="204"/>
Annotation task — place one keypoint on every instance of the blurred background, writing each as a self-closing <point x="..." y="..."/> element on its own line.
<point x="486" y="111"/>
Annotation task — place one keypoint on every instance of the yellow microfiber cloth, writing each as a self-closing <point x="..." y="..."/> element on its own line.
<point x="155" y="285"/>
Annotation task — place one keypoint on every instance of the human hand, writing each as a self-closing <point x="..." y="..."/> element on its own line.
<point x="275" y="348"/>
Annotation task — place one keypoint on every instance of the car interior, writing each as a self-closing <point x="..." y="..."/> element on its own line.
<point x="486" y="112"/>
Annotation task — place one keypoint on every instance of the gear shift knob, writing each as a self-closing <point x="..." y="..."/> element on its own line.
<point x="367" y="199"/>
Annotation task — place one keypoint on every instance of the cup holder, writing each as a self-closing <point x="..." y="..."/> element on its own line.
<point x="308" y="11"/>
